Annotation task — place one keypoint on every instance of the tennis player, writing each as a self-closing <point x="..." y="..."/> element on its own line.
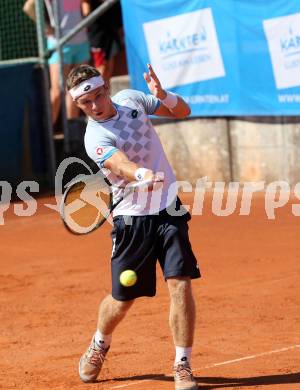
<point x="122" y="141"/>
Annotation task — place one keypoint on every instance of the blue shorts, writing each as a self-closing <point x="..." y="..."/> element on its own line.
<point x="73" y="53"/>
<point x="147" y="239"/>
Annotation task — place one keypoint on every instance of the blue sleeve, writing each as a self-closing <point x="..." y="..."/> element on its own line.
<point x="100" y="145"/>
<point x="107" y="153"/>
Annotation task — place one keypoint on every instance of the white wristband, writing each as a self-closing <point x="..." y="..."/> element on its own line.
<point x="140" y="173"/>
<point x="170" y="101"/>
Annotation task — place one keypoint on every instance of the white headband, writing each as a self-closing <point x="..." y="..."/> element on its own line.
<point x="86" y="86"/>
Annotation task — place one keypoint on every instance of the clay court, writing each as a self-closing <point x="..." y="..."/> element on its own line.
<point x="248" y="316"/>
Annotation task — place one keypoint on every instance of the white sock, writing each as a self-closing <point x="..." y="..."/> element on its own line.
<point x="102" y="340"/>
<point x="183" y="354"/>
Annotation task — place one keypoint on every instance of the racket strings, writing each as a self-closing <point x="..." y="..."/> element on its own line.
<point x="87" y="202"/>
<point x="86" y="205"/>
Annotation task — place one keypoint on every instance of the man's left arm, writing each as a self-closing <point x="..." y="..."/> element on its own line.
<point x="172" y="106"/>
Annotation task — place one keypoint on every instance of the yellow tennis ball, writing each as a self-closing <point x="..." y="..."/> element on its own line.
<point x="128" y="278"/>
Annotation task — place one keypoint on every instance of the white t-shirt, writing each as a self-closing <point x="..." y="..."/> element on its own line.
<point x="131" y="131"/>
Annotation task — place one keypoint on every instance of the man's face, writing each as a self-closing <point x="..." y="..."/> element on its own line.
<point x="97" y="104"/>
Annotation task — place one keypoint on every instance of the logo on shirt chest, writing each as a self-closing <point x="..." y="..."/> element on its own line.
<point x="99" y="151"/>
<point x="134" y="114"/>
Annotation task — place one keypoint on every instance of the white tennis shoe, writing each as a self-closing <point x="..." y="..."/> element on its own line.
<point x="91" y="362"/>
<point x="183" y="377"/>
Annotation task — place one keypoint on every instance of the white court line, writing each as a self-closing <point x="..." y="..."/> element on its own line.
<point x="134" y="383"/>
<point x="248" y="357"/>
<point x="221" y="363"/>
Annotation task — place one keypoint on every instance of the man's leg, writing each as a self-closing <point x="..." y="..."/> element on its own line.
<point x="72" y="110"/>
<point x="55" y="90"/>
<point x="111" y="313"/>
<point x="182" y="323"/>
<point x="55" y="93"/>
<point x="182" y="311"/>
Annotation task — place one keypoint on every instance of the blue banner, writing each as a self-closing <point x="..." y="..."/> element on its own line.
<point x="229" y="57"/>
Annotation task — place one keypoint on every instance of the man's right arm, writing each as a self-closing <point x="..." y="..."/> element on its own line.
<point x="102" y="148"/>
<point x="120" y="165"/>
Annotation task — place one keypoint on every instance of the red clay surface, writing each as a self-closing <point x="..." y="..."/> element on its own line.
<point x="247" y="306"/>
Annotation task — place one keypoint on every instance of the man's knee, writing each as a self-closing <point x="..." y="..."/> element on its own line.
<point x="179" y="287"/>
<point x="122" y="306"/>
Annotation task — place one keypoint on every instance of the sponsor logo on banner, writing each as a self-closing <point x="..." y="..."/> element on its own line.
<point x="184" y="49"/>
<point x="283" y="36"/>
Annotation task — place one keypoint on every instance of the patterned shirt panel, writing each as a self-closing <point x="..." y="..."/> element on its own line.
<point x="131" y="131"/>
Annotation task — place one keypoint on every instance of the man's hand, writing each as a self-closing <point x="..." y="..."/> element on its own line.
<point x="180" y="111"/>
<point x="154" y="84"/>
<point x="156" y="178"/>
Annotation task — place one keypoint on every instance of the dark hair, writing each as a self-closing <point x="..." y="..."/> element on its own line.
<point x="79" y="74"/>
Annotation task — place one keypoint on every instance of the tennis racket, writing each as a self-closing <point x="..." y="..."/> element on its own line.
<point x="88" y="202"/>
